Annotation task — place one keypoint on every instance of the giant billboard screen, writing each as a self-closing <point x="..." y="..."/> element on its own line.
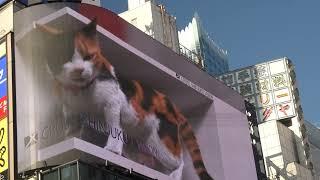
<point x="74" y="81"/>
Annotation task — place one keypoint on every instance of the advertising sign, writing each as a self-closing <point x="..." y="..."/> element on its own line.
<point x="277" y="67"/>
<point x="275" y="99"/>
<point x="265" y="100"/>
<point x="74" y="81"/>
<point x="267" y="114"/>
<point x="4" y="150"/>
<point x="6" y="16"/>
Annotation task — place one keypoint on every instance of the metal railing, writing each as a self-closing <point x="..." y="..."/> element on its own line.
<point x="79" y="170"/>
<point x="191" y="55"/>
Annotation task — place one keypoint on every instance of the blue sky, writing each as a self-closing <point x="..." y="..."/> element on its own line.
<point x="255" y="31"/>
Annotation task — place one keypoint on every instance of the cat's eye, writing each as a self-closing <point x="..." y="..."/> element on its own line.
<point x="88" y="57"/>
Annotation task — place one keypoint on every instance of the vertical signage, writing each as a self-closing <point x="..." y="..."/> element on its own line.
<point x="6" y="139"/>
<point x="4" y="150"/>
<point x="6" y="16"/>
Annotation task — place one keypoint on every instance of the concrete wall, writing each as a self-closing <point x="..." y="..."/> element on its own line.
<point x="315" y="154"/>
<point x="280" y="150"/>
<point x="154" y="21"/>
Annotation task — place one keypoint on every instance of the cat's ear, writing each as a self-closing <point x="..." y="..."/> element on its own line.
<point x="76" y="54"/>
<point x="90" y="30"/>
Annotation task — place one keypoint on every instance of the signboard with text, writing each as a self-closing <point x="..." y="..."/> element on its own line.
<point x="4" y="150"/>
<point x="6" y="16"/>
<point x="267" y="86"/>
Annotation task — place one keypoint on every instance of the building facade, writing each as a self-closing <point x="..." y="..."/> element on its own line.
<point x="281" y="152"/>
<point x="78" y="170"/>
<point x="194" y="37"/>
<point x="255" y="140"/>
<point x="31" y="2"/>
<point x="51" y="139"/>
<point x="154" y="20"/>
<point x="314" y="140"/>
<point x="271" y="86"/>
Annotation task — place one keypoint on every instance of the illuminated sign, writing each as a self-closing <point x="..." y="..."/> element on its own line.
<point x="282" y="95"/>
<point x="6" y="16"/>
<point x="3" y="107"/>
<point x="285" y="110"/>
<point x="4" y="150"/>
<point x="3" y="76"/>
<point x="3" y="87"/>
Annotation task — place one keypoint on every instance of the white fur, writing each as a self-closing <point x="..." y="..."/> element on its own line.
<point x="177" y="173"/>
<point x="106" y="98"/>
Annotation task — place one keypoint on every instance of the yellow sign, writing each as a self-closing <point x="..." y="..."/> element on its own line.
<point x="3" y="49"/>
<point x="6" y="16"/>
<point x="4" y="151"/>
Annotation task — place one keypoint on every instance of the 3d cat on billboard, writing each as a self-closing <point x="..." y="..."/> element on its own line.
<point x="68" y="87"/>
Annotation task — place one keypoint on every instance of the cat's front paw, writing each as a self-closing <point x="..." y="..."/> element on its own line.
<point x="114" y="145"/>
<point x="114" y="149"/>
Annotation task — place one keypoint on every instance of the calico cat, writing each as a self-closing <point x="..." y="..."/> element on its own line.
<point x="88" y="83"/>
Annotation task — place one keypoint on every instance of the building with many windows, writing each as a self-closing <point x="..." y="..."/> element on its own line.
<point x="194" y="37"/>
<point x="255" y="140"/>
<point x="271" y="86"/>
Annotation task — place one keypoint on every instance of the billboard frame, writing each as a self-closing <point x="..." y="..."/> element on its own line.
<point x="11" y="121"/>
<point x="12" y="106"/>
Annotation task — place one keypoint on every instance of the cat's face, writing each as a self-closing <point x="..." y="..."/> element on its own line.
<point x="81" y="69"/>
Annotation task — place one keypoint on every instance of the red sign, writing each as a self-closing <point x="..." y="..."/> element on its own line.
<point x="3" y="107"/>
<point x="284" y="109"/>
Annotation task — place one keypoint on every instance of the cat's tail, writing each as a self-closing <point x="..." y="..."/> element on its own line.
<point x="190" y="141"/>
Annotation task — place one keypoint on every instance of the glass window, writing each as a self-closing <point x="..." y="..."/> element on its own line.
<point x="91" y="173"/>
<point x="69" y="172"/>
<point x="85" y="172"/>
<point x="53" y="175"/>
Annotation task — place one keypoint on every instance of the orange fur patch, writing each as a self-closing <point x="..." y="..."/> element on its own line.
<point x="175" y="149"/>
<point x="159" y="105"/>
<point x="91" y="47"/>
<point x="136" y="101"/>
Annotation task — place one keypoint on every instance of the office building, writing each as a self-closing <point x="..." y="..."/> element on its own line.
<point x="255" y="140"/>
<point x="271" y="86"/>
<point x="193" y="37"/>
<point x="281" y="152"/>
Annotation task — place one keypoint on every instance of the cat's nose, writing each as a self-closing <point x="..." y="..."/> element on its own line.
<point x="79" y="70"/>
